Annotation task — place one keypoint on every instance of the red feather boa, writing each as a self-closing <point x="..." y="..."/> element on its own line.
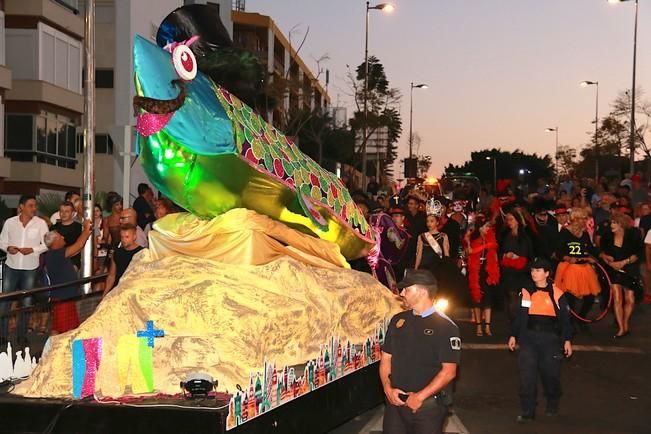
<point x="492" y="265"/>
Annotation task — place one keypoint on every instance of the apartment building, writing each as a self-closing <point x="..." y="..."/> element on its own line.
<point x="260" y="35"/>
<point x="43" y="102"/>
<point x="5" y="85"/>
<point x="41" y="87"/>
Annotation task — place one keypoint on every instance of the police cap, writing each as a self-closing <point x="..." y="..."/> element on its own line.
<point x="417" y="277"/>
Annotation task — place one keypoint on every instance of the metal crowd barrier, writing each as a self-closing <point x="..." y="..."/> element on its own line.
<point x="29" y="317"/>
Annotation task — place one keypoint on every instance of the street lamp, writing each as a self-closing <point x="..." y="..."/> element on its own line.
<point x="387" y="7"/>
<point x="555" y="130"/>
<point x="411" y="113"/>
<point x="494" y="173"/>
<point x="88" y="192"/>
<point x="632" y="132"/>
<point x="596" y="126"/>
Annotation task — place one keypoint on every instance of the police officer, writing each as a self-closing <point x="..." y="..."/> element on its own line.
<point x="420" y="356"/>
<point x="543" y="331"/>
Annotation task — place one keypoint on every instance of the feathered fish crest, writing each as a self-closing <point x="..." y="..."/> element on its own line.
<point x="172" y="45"/>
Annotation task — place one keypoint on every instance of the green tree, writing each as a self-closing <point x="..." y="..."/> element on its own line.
<point x="424" y="163"/>
<point x="241" y="72"/>
<point x="382" y="102"/>
<point x="321" y="140"/>
<point x="613" y="146"/>
<point x="621" y="110"/>
<point x="566" y="160"/>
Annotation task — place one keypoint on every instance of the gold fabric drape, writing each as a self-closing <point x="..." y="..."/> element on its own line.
<point x="239" y="236"/>
<point x="223" y="317"/>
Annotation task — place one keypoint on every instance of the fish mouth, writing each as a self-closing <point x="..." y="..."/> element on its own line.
<point x="161" y="106"/>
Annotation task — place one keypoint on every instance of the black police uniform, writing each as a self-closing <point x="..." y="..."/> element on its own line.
<point x="418" y="346"/>
<point x="541" y="328"/>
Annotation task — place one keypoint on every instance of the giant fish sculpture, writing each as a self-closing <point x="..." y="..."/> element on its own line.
<point x="208" y="152"/>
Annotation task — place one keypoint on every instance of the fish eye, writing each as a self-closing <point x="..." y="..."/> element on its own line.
<point x="184" y="62"/>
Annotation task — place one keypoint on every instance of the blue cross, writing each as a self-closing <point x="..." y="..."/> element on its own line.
<point x="150" y="333"/>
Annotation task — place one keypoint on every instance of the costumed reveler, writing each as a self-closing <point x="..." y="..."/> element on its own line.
<point x="546" y="232"/>
<point x="483" y="272"/>
<point x="621" y="249"/>
<point x="575" y="273"/>
<point x="516" y="250"/>
<point x="415" y="221"/>
<point x="398" y="217"/>
<point x="433" y="254"/>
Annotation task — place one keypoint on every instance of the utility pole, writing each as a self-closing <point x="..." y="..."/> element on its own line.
<point x="88" y="192"/>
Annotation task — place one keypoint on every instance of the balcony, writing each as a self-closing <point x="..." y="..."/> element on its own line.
<point x="5" y="167"/>
<point x="5" y="77"/>
<point x="36" y="90"/>
<point x="23" y="171"/>
<point x="58" y="14"/>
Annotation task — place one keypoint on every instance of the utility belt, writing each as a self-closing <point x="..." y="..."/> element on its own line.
<point x="545" y="325"/>
<point x="443" y="398"/>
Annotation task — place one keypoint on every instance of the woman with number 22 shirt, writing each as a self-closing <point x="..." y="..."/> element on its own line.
<point x="575" y="274"/>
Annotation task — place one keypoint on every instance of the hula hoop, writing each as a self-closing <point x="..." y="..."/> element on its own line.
<point x="610" y="299"/>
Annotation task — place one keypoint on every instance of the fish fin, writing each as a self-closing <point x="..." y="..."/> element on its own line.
<point x="312" y="212"/>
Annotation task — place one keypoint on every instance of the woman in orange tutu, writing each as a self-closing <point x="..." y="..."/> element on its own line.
<point x="575" y="274"/>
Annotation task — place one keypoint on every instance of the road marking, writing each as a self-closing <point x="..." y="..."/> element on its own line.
<point x="587" y="348"/>
<point x="453" y="425"/>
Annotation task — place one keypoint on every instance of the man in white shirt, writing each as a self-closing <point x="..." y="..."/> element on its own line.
<point x="22" y="239"/>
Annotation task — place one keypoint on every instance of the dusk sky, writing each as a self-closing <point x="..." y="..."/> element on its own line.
<point x="499" y="71"/>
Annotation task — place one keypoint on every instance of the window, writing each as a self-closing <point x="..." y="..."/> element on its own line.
<point x="72" y="5"/>
<point x="45" y="138"/>
<point x="103" y="144"/>
<point x="103" y="78"/>
<point x="71" y="140"/>
<point x="18" y="143"/>
<point x="59" y="58"/>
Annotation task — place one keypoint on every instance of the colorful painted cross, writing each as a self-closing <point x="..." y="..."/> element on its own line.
<point x="150" y="333"/>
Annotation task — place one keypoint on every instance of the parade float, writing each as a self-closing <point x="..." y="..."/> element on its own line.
<point x="249" y="292"/>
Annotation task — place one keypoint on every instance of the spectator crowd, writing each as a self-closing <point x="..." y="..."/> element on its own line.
<point x="46" y="251"/>
<point x="479" y="245"/>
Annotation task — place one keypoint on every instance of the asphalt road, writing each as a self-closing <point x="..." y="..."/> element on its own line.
<point x="606" y="384"/>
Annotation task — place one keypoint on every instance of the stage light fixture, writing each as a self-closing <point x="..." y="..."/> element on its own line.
<point x="198" y="385"/>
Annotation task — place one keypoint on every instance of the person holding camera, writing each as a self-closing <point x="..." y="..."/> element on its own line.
<point x="420" y="356"/>
<point x="543" y="331"/>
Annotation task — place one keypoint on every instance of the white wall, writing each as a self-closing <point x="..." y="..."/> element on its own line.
<point x="2" y="127"/>
<point x="131" y="17"/>
<point x="2" y="38"/>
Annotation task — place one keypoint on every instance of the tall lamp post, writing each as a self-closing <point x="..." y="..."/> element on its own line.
<point x="88" y="193"/>
<point x="387" y="7"/>
<point x="411" y="114"/>
<point x="632" y="132"/>
<point x="555" y="130"/>
<point x="494" y="173"/>
<point x="596" y="127"/>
